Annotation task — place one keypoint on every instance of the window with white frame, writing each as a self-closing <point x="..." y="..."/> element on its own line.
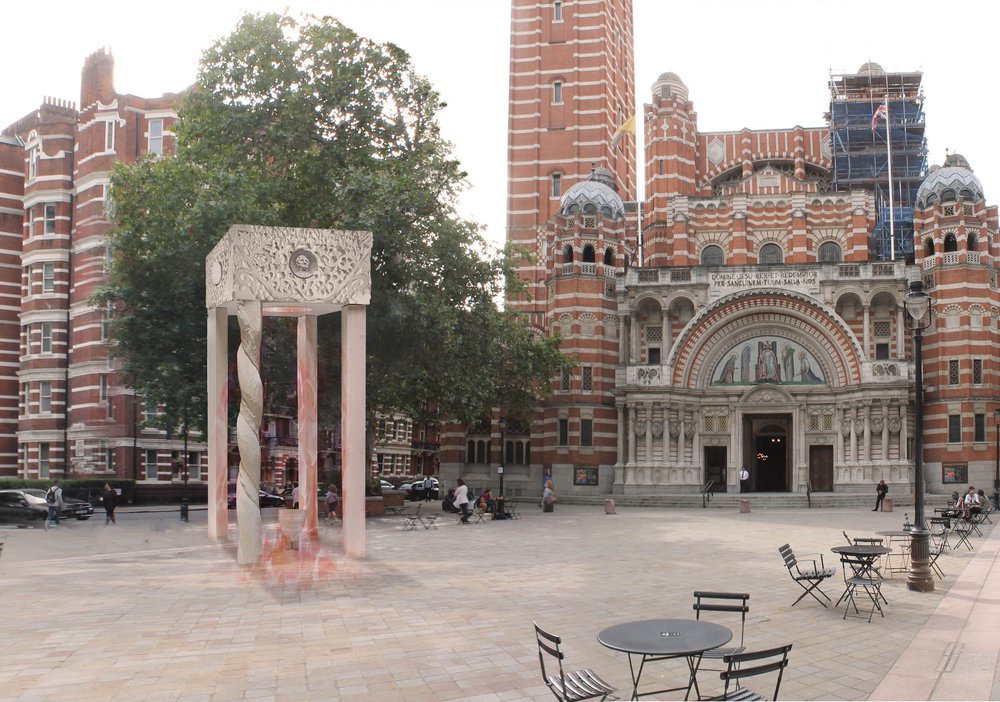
<point x="109" y="135"/>
<point x="151" y="470"/>
<point x="45" y="344"/>
<point x="149" y="412"/>
<point x="48" y="277"/>
<point x="557" y="96"/>
<point x="33" y="162"/>
<point x="109" y="459"/>
<point x="556" y="184"/>
<point x="557" y="10"/>
<point x="194" y="465"/>
<point x="979" y="428"/>
<point x="50" y="218"/>
<point x="43" y="459"/>
<point x="563" y="431"/>
<point x="954" y="428"/>
<point x="45" y="396"/>
<point x="103" y="391"/>
<point x="155" y="139"/>
<point x="586" y="432"/>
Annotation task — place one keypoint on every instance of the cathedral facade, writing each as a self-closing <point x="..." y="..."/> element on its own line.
<point x="749" y="311"/>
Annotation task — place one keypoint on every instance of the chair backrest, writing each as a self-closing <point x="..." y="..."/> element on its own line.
<point x="548" y="645"/>
<point x="737" y="670"/>
<point x="723" y="602"/>
<point x="786" y="553"/>
<point x="847" y="538"/>
<point x="854" y="566"/>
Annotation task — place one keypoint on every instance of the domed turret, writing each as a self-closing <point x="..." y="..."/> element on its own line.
<point x="949" y="182"/>
<point x="596" y="194"/>
<point x="670" y="84"/>
<point x="871" y="69"/>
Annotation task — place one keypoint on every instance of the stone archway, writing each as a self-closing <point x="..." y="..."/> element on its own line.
<point x="256" y="271"/>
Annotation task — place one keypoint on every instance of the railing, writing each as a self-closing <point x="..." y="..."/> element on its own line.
<point x="706" y="493"/>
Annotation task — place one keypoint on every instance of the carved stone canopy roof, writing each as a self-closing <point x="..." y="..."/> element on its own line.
<point x="594" y="195"/>
<point x="948" y="183"/>
<point x="291" y="271"/>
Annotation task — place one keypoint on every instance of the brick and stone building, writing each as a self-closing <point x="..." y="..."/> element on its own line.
<point x="761" y="322"/>
<point x="65" y="411"/>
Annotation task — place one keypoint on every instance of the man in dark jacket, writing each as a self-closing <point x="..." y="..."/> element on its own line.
<point x="110" y="500"/>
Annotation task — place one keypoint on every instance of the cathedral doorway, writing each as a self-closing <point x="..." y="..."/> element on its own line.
<point x="767" y="452"/>
<point x="715" y="467"/>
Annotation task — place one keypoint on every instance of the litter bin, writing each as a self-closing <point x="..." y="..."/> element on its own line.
<point x="744" y="506"/>
<point x="887" y="504"/>
<point x="609" y="506"/>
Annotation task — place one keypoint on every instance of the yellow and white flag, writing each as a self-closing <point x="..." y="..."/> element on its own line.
<point x="628" y="127"/>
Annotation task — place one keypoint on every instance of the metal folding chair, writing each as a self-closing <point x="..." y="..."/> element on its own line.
<point x="770" y="660"/>
<point x="814" y="575"/>
<point x="858" y="573"/>
<point x="567" y="686"/>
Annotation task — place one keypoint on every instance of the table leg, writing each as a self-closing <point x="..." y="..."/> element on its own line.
<point x="636" y="674"/>
<point x="694" y="662"/>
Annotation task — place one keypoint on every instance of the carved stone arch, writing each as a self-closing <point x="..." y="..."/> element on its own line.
<point x="783" y="310"/>
<point x="766" y="395"/>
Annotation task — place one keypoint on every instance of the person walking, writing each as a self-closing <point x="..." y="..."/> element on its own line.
<point x="880" y="490"/>
<point x="109" y="498"/>
<point x="549" y="497"/>
<point x="54" y="499"/>
<point x="462" y="500"/>
<point x="428" y="487"/>
<point x="295" y="495"/>
<point x="332" y="500"/>
<point x="744" y="479"/>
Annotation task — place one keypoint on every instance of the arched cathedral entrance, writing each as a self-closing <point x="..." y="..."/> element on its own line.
<point x="767" y="451"/>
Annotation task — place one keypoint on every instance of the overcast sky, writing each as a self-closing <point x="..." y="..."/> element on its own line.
<point x="747" y="63"/>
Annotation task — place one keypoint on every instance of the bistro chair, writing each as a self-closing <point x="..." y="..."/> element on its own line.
<point x="859" y="573"/>
<point x="733" y="602"/>
<point x="938" y="545"/>
<point x="813" y="575"/>
<point x="567" y="686"/>
<point x="770" y="660"/>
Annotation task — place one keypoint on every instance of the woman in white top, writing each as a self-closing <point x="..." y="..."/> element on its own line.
<point x="462" y="500"/>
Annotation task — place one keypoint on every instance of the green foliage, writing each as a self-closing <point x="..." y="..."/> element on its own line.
<point x="303" y="123"/>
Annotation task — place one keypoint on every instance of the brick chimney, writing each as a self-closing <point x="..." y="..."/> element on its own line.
<point x="97" y="82"/>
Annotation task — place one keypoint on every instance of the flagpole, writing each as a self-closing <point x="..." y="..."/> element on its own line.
<point x="892" y="209"/>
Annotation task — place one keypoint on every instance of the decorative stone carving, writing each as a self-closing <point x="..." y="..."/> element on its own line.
<point x="895" y="425"/>
<point x="657" y="428"/>
<point x="688" y="427"/>
<point x="640" y="427"/>
<point x="289" y="265"/>
<point x="845" y="428"/>
<point x="876" y="425"/>
<point x="248" y="431"/>
<point x="675" y="430"/>
<point x="859" y="427"/>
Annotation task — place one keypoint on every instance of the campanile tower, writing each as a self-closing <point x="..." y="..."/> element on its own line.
<point x="572" y="82"/>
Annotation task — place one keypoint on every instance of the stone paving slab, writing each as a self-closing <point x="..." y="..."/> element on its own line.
<point x="149" y="610"/>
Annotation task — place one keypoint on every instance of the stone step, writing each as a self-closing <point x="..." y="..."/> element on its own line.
<point x="758" y="500"/>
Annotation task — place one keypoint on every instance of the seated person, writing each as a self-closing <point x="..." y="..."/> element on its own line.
<point x="486" y="501"/>
<point x="448" y="503"/>
<point x="972" y="505"/>
<point x="957" y="508"/>
<point x="984" y="502"/>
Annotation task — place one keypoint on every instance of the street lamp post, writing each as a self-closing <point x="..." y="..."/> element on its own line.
<point x="918" y="306"/>
<point x="503" y="451"/>
<point x="996" y="477"/>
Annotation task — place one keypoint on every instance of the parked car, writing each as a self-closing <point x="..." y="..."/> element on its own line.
<point x="415" y="491"/>
<point x="264" y="498"/>
<point x="27" y="505"/>
<point x="386" y="485"/>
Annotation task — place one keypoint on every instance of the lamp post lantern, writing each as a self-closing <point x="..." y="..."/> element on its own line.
<point x="918" y="307"/>
<point x="996" y="477"/>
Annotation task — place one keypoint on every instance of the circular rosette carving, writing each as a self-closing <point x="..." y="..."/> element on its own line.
<point x="859" y="427"/>
<point x="877" y="425"/>
<point x="895" y="425"/>
<point x="302" y="263"/>
<point x="657" y="429"/>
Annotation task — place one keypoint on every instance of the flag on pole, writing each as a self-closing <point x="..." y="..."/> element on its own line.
<point x="881" y="111"/>
<point x="628" y="127"/>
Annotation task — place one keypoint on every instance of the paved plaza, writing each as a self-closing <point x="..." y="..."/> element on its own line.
<point x="149" y="610"/>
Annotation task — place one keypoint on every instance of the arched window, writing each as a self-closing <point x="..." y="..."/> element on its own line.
<point x="568" y="254"/>
<point x="556" y="184"/>
<point x="609" y="257"/>
<point x="950" y="243"/>
<point x="830" y="252"/>
<point x="588" y="254"/>
<point x="713" y="256"/>
<point x="929" y="247"/>
<point x="948" y="195"/>
<point x="971" y="242"/>
<point x="770" y="255"/>
<point x="557" y="87"/>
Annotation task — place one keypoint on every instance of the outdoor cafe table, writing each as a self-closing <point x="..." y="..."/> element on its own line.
<point x="661" y="639"/>
<point x="901" y="538"/>
<point x="868" y="554"/>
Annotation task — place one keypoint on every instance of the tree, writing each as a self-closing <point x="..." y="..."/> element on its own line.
<point x="304" y="123"/>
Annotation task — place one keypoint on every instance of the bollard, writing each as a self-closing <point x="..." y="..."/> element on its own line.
<point x="887" y="504"/>
<point x="184" y="510"/>
<point x="609" y="506"/>
<point x="744" y="506"/>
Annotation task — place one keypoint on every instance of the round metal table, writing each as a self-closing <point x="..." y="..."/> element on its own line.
<point x="661" y="639"/>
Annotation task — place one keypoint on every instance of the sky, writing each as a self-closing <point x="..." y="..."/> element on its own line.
<point x="746" y="63"/>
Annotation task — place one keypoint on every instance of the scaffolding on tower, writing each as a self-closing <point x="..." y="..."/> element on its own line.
<point x="861" y="148"/>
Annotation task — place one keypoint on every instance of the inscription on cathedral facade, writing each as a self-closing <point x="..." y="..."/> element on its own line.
<point x="726" y="282"/>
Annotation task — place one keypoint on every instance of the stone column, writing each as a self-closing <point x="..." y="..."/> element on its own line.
<point x="308" y="401"/>
<point x="900" y="332"/>
<point x="854" y="435"/>
<point x="250" y="315"/>
<point x="623" y="339"/>
<point x="631" y="436"/>
<point x="636" y="339"/>
<point x="352" y="411"/>
<point x="218" y="424"/>
<point x="867" y="333"/>
<point x="885" y="431"/>
<point x="649" y="432"/>
<point x="665" y="437"/>
<point x="904" y="450"/>
<point x="681" y="439"/>
<point x="620" y="455"/>
<point x="867" y="409"/>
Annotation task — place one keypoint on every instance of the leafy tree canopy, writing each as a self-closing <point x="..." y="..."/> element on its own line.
<point x="302" y="123"/>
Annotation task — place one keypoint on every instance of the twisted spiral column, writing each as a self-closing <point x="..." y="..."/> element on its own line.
<point x="249" y="315"/>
